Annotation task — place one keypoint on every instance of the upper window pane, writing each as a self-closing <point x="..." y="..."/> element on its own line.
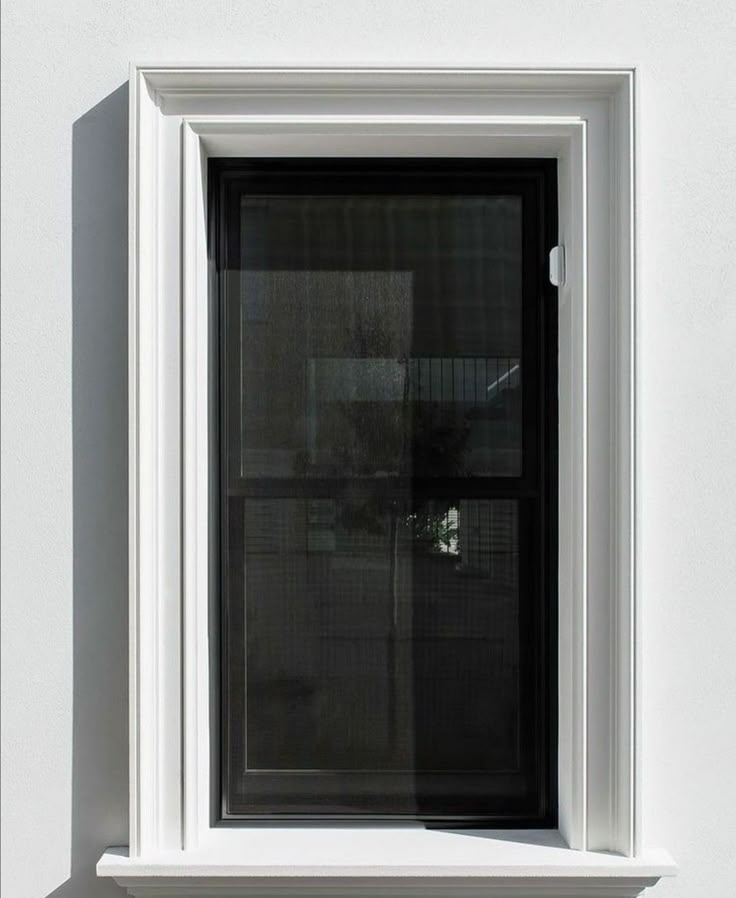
<point x="379" y="335"/>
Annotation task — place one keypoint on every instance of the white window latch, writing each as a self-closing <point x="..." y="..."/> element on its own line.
<point x="557" y="266"/>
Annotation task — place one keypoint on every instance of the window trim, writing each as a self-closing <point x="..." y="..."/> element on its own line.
<point x="585" y="118"/>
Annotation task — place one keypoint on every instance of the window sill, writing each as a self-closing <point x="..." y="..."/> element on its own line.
<point x="385" y="862"/>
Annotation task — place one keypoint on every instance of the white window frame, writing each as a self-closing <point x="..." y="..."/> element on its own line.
<point x="178" y="117"/>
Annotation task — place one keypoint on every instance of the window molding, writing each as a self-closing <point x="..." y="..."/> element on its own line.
<point x="585" y="118"/>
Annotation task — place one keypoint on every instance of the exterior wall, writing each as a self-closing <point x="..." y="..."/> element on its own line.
<point x="64" y="430"/>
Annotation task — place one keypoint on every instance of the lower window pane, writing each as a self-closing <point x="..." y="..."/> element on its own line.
<point x="382" y="641"/>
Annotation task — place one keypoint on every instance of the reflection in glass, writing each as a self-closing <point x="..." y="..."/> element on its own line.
<point x="382" y="633"/>
<point x="391" y="346"/>
<point x="379" y="624"/>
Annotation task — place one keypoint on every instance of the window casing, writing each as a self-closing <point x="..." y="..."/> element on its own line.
<point x="585" y="119"/>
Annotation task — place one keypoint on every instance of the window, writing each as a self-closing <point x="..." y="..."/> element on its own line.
<point x="388" y="478"/>
<point x="583" y="122"/>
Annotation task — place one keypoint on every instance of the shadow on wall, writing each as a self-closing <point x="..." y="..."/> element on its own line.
<point x="100" y="446"/>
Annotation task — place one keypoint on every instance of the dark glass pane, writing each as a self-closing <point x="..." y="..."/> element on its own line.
<point x="379" y="335"/>
<point x="386" y="438"/>
<point x="381" y="634"/>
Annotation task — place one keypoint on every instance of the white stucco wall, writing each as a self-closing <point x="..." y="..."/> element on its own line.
<point x="64" y="428"/>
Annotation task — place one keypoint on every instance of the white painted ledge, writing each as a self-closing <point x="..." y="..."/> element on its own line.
<point x="386" y="862"/>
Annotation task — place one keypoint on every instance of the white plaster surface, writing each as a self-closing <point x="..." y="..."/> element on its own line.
<point x="64" y="428"/>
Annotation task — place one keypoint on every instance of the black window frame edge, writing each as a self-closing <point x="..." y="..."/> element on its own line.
<point x="542" y="172"/>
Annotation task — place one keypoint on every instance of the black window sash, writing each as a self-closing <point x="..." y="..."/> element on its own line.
<point x="535" y="490"/>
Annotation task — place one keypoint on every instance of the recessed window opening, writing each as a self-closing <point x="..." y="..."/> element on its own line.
<point x="386" y="380"/>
